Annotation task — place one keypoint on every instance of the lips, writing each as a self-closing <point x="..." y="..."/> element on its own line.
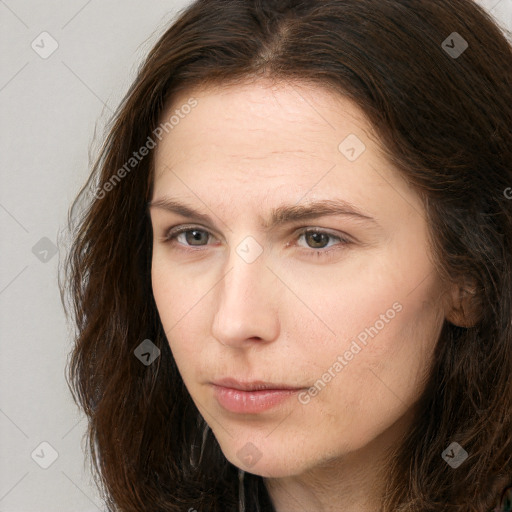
<point x="255" y="385"/>
<point x="251" y="397"/>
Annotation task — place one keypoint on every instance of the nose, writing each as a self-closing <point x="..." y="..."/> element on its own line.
<point x="246" y="300"/>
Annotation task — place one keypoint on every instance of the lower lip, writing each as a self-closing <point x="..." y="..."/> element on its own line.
<point x="251" y="402"/>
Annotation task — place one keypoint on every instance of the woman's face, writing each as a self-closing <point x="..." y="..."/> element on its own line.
<point x="350" y="316"/>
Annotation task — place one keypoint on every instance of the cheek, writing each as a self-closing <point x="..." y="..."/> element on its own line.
<point x="387" y="372"/>
<point x="410" y="346"/>
<point x="176" y="289"/>
<point x="384" y="337"/>
<point x="185" y="303"/>
<point x="366" y="394"/>
<point x="164" y="294"/>
<point x="175" y="298"/>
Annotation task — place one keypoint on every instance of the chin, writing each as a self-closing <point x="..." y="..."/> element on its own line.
<point x="269" y="469"/>
<point x="269" y="461"/>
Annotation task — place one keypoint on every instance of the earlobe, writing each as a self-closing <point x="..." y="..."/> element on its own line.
<point x="463" y="309"/>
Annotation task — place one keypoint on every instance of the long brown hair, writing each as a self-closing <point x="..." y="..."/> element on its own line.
<point x="441" y="104"/>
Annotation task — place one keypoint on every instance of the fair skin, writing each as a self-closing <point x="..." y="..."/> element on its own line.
<point x="286" y="316"/>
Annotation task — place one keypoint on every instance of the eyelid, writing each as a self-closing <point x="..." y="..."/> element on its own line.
<point x="176" y="230"/>
<point x="344" y="239"/>
<point x="186" y="227"/>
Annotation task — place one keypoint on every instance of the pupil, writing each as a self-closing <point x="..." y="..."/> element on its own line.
<point x="194" y="235"/>
<point x="317" y="236"/>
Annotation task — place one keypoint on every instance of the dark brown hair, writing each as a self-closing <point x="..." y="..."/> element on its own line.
<point x="444" y="120"/>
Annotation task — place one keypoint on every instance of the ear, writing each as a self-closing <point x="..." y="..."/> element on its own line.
<point x="463" y="308"/>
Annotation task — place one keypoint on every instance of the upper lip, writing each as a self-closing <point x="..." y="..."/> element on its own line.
<point x="255" y="385"/>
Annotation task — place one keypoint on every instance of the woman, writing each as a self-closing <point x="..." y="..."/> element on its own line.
<point x="227" y="355"/>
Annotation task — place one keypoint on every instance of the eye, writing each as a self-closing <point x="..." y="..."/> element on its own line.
<point x="316" y="239"/>
<point x="193" y="236"/>
<point x="196" y="235"/>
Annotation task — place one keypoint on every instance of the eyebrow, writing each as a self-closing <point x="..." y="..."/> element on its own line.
<point x="284" y="214"/>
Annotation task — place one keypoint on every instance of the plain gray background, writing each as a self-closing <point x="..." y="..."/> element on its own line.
<point x="51" y="106"/>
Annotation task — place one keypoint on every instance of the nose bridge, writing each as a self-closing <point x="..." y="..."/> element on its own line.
<point x="245" y="302"/>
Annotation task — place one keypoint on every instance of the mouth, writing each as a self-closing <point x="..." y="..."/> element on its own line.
<point x="251" y="397"/>
<point x="255" y="385"/>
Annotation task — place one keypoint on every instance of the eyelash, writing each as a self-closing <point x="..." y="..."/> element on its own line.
<point x="318" y="253"/>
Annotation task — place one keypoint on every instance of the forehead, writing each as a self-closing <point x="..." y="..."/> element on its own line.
<point x="258" y="121"/>
<point x="265" y="139"/>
